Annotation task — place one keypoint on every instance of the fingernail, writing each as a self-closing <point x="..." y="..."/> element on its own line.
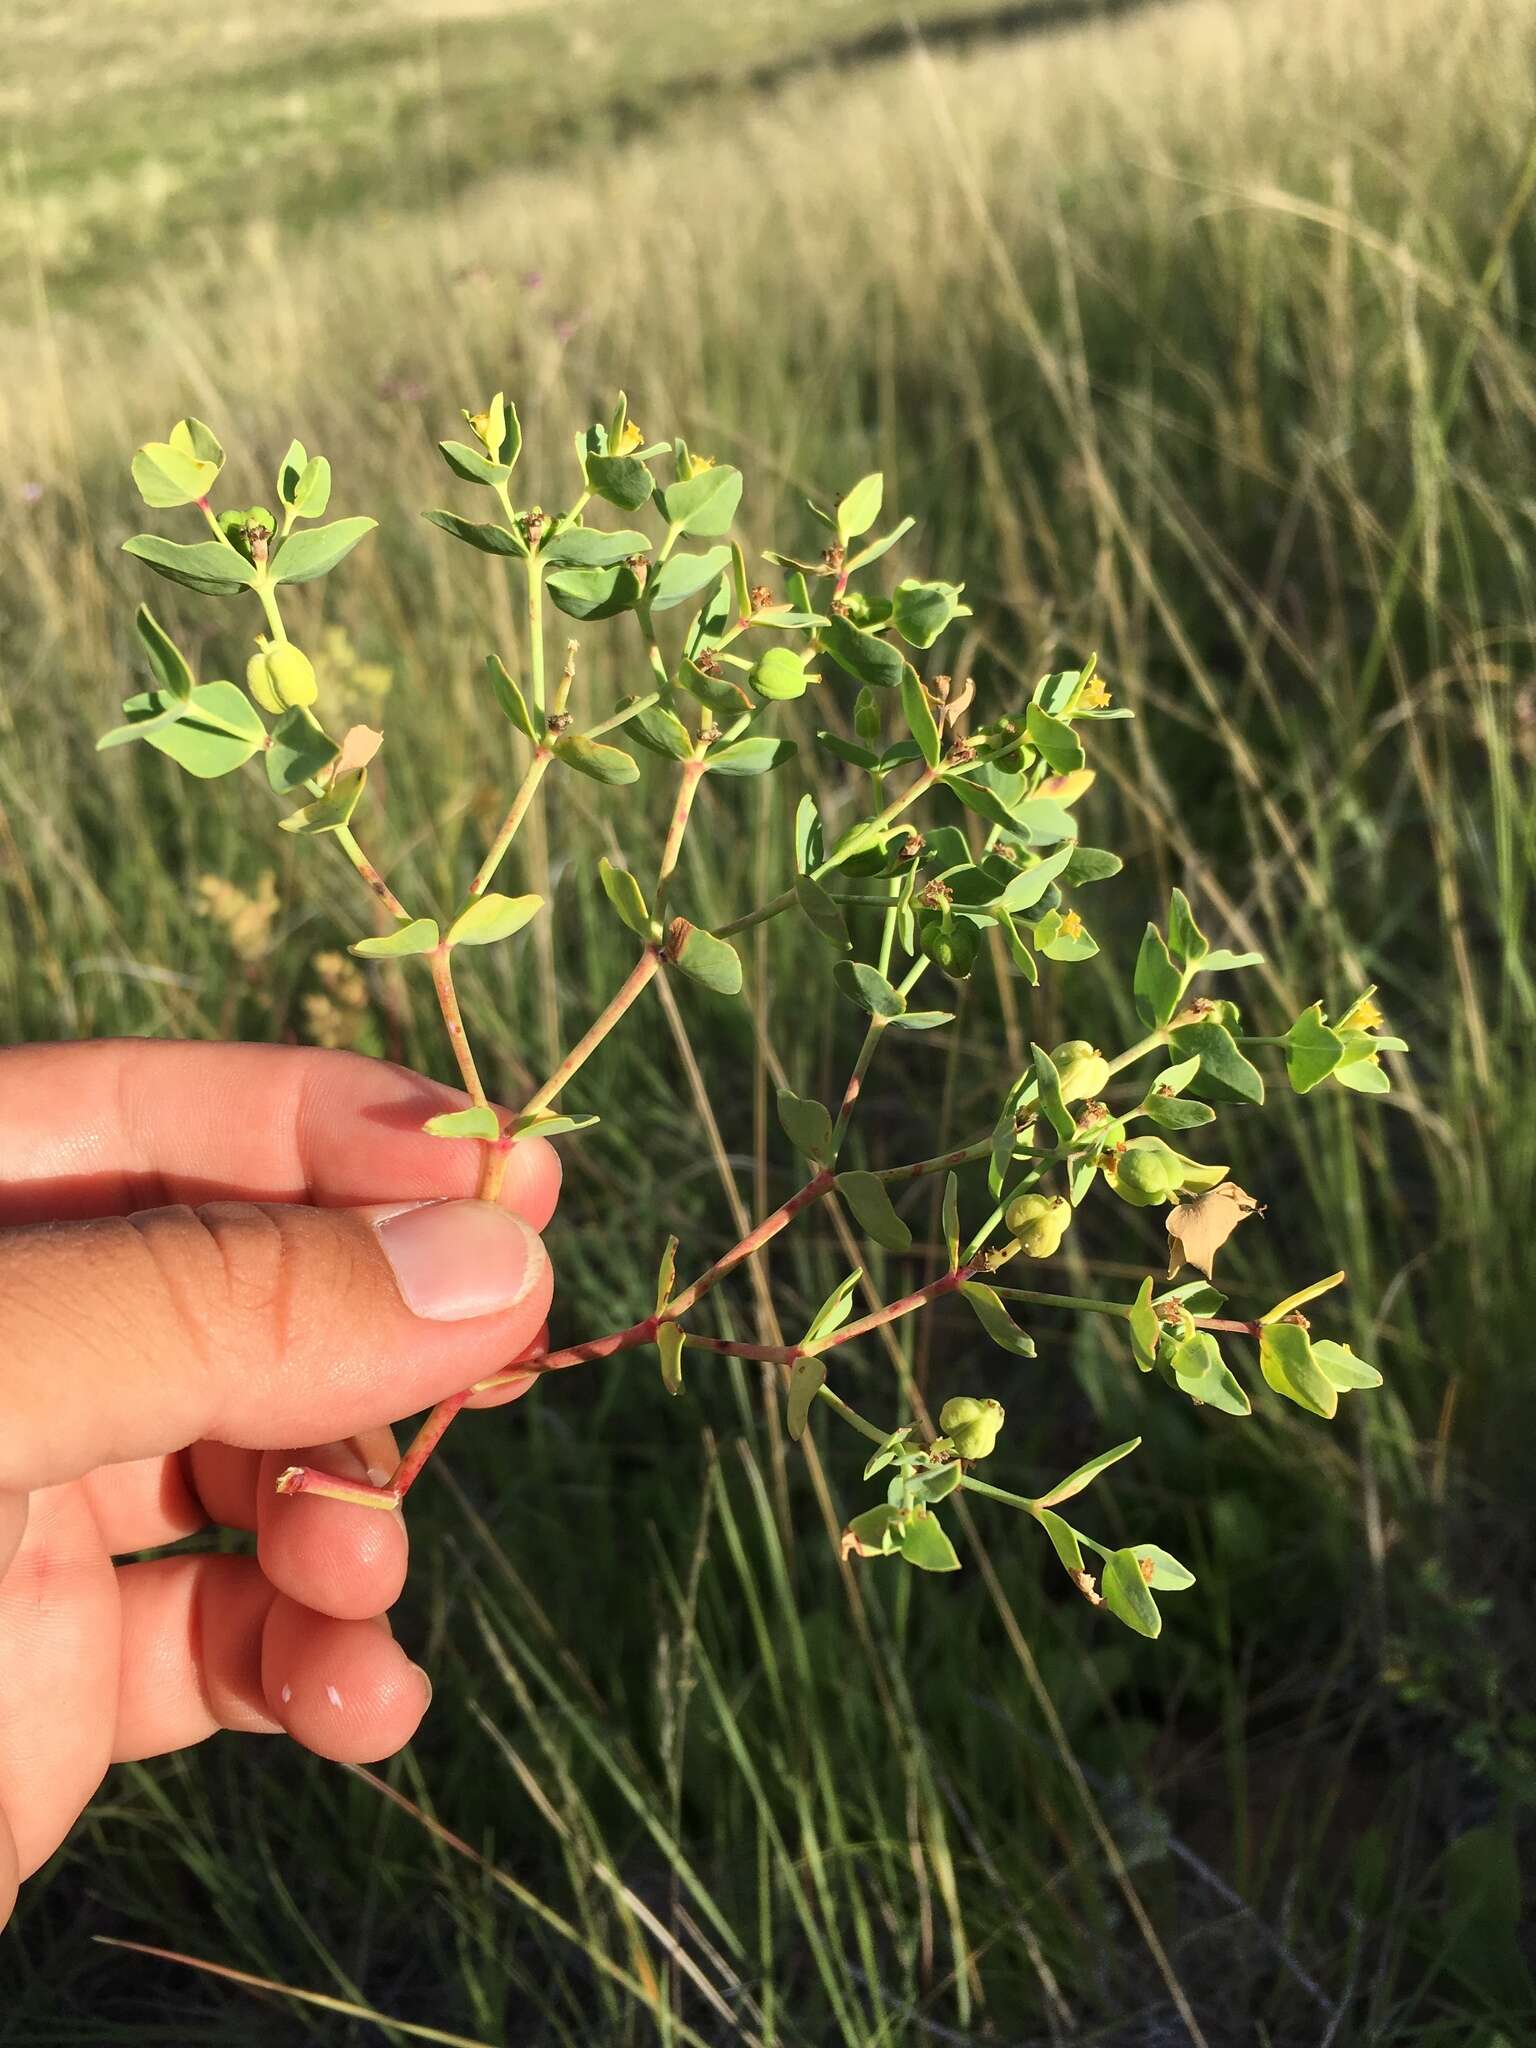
<point x="426" y="1684"/>
<point x="456" y="1260"/>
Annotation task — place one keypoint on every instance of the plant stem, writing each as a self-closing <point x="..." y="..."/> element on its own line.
<point x="867" y="1051"/>
<point x="453" y="1021"/>
<point x="861" y="1423"/>
<point x="526" y="790"/>
<point x="642" y="973"/>
<point x="990" y="1492"/>
<point x="688" y="789"/>
<point x="755" y="1239"/>
<point x="618" y="718"/>
<point x="369" y="873"/>
<point x="1039" y="1299"/>
<point x="536" y="632"/>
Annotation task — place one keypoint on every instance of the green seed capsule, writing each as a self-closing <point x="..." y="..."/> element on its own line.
<point x="259" y="683"/>
<point x="292" y="674"/>
<point x="1039" y="1222"/>
<point x="953" y="950"/>
<point x="972" y="1426"/>
<point x="1146" y="1172"/>
<point x="1083" y="1069"/>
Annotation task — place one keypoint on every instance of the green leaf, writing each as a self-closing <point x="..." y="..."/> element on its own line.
<point x="666" y="1275"/>
<point x="298" y="751"/>
<point x="1076" y="1482"/>
<point x="1203" y="1374"/>
<point x="591" y="757"/>
<point x="1186" y="942"/>
<point x="465" y="1123"/>
<point x="705" y="504"/>
<point x="807" y="1124"/>
<point x="682" y="576"/>
<point x="314" y="489"/>
<point x="205" y="565"/>
<point x="921" y="611"/>
<point x="834" y="1311"/>
<point x="473" y="464"/>
<point x="1224" y="1072"/>
<point x="661" y="732"/>
<point x="1176" y="1115"/>
<point x="1342" y="1370"/>
<point x="1222" y="962"/>
<point x="420" y="935"/>
<point x="623" y="480"/>
<point x="489" y="538"/>
<point x="995" y="1319"/>
<point x="1063" y="1540"/>
<point x="1158" y="984"/>
<point x="1048" y="1089"/>
<point x="217" y="731"/>
<point x="950" y="1218"/>
<point x="923" y="1543"/>
<point x="862" y="655"/>
<point x="671" y="1342"/>
<point x="879" y="547"/>
<point x="1146" y="1327"/>
<point x="595" y="593"/>
<point x="710" y="960"/>
<point x="148" y="713"/>
<point x="921" y="722"/>
<point x="492" y="917"/>
<point x="1090" y="864"/>
<point x="171" y="669"/>
<point x="627" y="897"/>
<point x="548" y="1123"/>
<point x="331" y="811"/>
<point x="866" y="1197"/>
<point x="920" y="1020"/>
<point x="867" y="987"/>
<point x="888" y="1452"/>
<point x="779" y="674"/>
<point x="859" y="507"/>
<point x="1168" y="1575"/>
<point x="289" y="470"/>
<point x="1057" y="944"/>
<point x="1313" y="1291"/>
<point x="508" y="694"/>
<point x="171" y="473"/>
<point x="1312" y="1050"/>
<point x="588" y="547"/>
<point x="936" y="1484"/>
<point x="1287" y="1363"/>
<point x="304" y="556"/>
<point x="757" y="754"/>
<point x="825" y="917"/>
<point x="1128" y="1596"/>
<point x="873" y="1534"/>
<point x="807" y="1376"/>
<point x="1054" y="740"/>
<point x="1030" y="884"/>
<point x="1366" y="1076"/>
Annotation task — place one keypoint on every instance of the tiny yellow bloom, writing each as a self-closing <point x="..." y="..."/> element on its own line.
<point x="1071" y="926"/>
<point x="1095" y="697"/>
<point x="1363" y="1017"/>
<point x="630" y="437"/>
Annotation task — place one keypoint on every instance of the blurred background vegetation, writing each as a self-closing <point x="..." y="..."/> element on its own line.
<point x="1200" y="334"/>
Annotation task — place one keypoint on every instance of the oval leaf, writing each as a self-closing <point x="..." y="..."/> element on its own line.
<point x="419" y="936"/>
<point x="807" y="1376"/>
<point x="492" y="917"/>
<point x="866" y="1197"/>
<point x="304" y="556"/>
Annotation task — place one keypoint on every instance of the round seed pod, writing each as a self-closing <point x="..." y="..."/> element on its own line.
<point x="972" y="1426"/>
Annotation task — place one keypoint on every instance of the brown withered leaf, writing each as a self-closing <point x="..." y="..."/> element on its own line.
<point x="358" y="747"/>
<point x="1197" y="1230"/>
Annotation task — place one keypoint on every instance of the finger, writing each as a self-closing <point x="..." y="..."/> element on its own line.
<point x="209" y="1644"/>
<point x="143" y="1503"/>
<point x="152" y="1122"/>
<point x="10" y="1871"/>
<point x="259" y="1325"/>
<point x="323" y="1553"/>
<point x="514" y="1389"/>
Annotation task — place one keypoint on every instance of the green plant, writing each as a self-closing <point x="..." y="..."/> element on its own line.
<point x="1002" y="865"/>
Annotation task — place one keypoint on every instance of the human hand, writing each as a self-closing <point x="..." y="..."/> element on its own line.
<point x="160" y="1364"/>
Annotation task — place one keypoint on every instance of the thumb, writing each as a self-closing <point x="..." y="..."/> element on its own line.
<point x="258" y="1324"/>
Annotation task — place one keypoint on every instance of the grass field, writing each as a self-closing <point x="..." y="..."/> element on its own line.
<point x="1204" y="333"/>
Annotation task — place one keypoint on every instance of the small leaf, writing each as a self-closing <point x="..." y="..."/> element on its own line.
<point x="920" y="1020"/>
<point x="1158" y="984"/>
<point x="950" y="1218"/>
<point x="661" y="732"/>
<point x="420" y="935"/>
<point x="921" y="1541"/>
<point x="864" y="656"/>
<point x="359" y="745"/>
<point x="473" y="464"/>
<point x="465" y="1123"/>
<point x="757" y="754"/>
<point x="859" y="507"/>
<point x="705" y="504"/>
<point x="834" y="1311"/>
<point x="594" y="758"/>
<point x="180" y="470"/>
<point x="888" y="1452"/>
<point x="921" y="722"/>
<point x="217" y="730"/>
<point x="712" y="961"/>
<point x="622" y="479"/>
<point x="866" y="1196"/>
<point x="1030" y="884"/>
<point x="1091" y="864"/>
<point x="1303" y="1295"/>
<point x="682" y="576"/>
<point x="169" y="664"/>
<point x="1176" y="1115"/>
<point x="1145" y="1326"/>
<point x="1203" y="1374"/>
<point x="1084" y="1476"/>
<point x="879" y="547"/>
<point x="824" y="915"/>
<point x="807" y="1124"/>
<point x="1168" y="1575"/>
<point x="1064" y="1542"/>
<point x="595" y="593"/>
<point x="1128" y="1596"/>
<point x="807" y="1376"/>
<point x="1312" y="1050"/>
<point x="627" y="897"/>
<point x="205" y="565"/>
<point x="548" y="1123"/>
<point x="873" y="1533"/>
<point x="867" y="987"/>
<point x="666" y="1275"/>
<point x="1054" y="740"/>
<point x="1197" y="1230"/>
<point x="1224" y="1072"/>
<point x="995" y="1319"/>
<point x="489" y="538"/>
<point x="298" y="751"/>
<point x="1186" y="942"/>
<point x="588" y="547"/>
<point x="921" y="611"/>
<point x="670" y="1342"/>
<point x="304" y="556"/>
<point x="1342" y="1369"/>
<point x="331" y="811"/>
<point x="1287" y="1363"/>
<point x="509" y="696"/>
<point x="936" y="1484"/>
<point x="313" y="492"/>
<point x="492" y="917"/>
<point x="1048" y="1091"/>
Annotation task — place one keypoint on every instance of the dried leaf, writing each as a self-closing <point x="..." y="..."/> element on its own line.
<point x="358" y="748"/>
<point x="1197" y="1230"/>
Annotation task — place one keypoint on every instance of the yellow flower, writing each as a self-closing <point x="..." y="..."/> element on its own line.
<point x="1363" y="1017"/>
<point x="1071" y="926"/>
<point x="1095" y="697"/>
<point x="630" y="437"/>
